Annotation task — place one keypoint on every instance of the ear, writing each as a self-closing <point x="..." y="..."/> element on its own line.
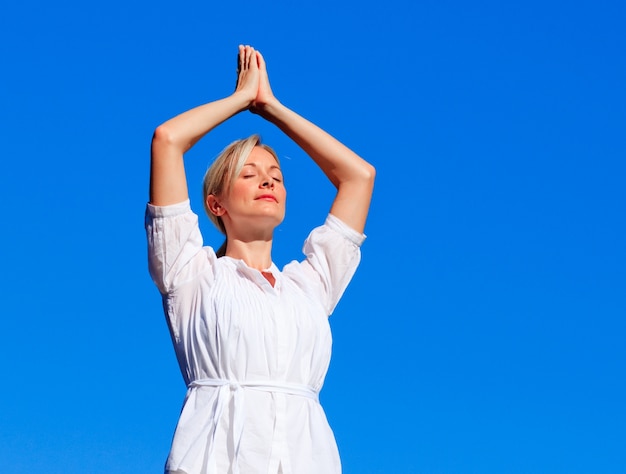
<point x="214" y="205"/>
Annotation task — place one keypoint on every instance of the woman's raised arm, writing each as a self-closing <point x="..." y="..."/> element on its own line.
<point x="350" y="174"/>
<point x="173" y="138"/>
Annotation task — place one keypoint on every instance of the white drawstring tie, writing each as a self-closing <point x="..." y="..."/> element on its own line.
<point x="230" y="389"/>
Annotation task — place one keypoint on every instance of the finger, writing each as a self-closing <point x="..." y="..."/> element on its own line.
<point x="249" y="56"/>
<point x="260" y="61"/>
<point x="240" y="58"/>
<point x="254" y="60"/>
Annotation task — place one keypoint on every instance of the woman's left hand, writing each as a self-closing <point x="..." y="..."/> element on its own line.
<point x="264" y="96"/>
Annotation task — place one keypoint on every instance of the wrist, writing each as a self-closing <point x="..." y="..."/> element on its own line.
<point x="269" y="109"/>
<point x="243" y="99"/>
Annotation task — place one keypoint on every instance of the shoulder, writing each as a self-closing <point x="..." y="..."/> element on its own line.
<point x="332" y="253"/>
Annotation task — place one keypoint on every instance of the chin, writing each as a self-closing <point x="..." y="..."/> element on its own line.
<point x="273" y="220"/>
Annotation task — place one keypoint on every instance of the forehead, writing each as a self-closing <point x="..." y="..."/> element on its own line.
<point x="260" y="156"/>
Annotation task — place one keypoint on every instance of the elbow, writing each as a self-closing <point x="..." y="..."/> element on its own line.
<point x="362" y="175"/>
<point x="167" y="138"/>
<point x="369" y="174"/>
<point x="163" y="135"/>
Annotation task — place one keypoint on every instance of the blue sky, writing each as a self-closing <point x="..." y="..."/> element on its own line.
<point x="484" y="331"/>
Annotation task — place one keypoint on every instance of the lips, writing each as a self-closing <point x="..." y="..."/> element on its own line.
<point x="266" y="197"/>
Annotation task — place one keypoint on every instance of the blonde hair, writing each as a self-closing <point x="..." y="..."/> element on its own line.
<point x="223" y="172"/>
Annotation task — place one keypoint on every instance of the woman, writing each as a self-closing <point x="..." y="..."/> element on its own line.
<point x="253" y="342"/>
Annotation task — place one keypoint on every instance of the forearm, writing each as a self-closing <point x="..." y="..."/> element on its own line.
<point x="337" y="161"/>
<point x="184" y="130"/>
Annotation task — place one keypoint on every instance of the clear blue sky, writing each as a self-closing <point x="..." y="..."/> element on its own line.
<point x="485" y="329"/>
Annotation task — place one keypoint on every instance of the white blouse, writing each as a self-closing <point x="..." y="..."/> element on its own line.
<point x="253" y="356"/>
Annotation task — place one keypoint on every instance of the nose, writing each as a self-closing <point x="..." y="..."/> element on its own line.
<point x="267" y="183"/>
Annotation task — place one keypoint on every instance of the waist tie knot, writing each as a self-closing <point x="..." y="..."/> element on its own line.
<point x="231" y="389"/>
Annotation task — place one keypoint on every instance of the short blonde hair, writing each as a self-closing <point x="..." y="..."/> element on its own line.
<point x="223" y="172"/>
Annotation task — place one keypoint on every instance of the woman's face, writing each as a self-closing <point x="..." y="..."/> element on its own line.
<point x="258" y="193"/>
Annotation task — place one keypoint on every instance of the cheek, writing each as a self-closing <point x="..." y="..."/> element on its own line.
<point x="282" y="191"/>
<point x="239" y="191"/>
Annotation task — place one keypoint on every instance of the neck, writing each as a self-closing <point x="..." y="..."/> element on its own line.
<point x="255" y="253"/>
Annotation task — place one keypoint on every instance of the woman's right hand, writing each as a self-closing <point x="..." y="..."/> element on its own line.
<point x="248" y="73"/>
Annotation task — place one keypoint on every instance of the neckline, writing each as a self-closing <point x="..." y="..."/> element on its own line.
<point x="269" y="275"/>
